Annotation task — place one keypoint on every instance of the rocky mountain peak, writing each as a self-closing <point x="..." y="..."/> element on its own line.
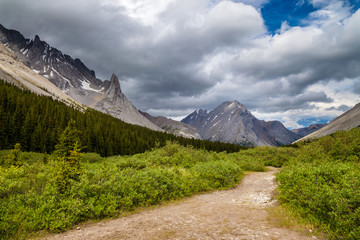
<point x="115" y="83"/>
<point x="72" y="77"/>
<point x="38" y="47"/>
<point x="115" y="80"/>
<point x="237" y="105"/>
<point x="232" y="122"/>
<point x="233" y="107"/>
<point x="37" y="39"/>
<point x="114" y="90"/>
<point x="12" y="38"/>
<point x="200" y="112"/>
<point x="81" y="66"/>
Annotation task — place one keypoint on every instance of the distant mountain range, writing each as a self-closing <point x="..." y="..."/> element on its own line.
<point x="171" y="126"/>
<point x="34" y="65"/>
<point x="232" y="122"/>
<point x="344" y="122"/>
<point x="302" y="132"/>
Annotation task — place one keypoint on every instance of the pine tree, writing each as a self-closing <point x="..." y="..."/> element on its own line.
<point x="14" y="159"/>
<point x="67" y="140"/>
<point x="69" y="159"/>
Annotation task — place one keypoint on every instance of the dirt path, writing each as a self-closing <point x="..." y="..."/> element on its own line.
<point x="238" y="213"/>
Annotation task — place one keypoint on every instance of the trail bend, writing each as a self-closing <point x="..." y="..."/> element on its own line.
<point x="238" y="213"/>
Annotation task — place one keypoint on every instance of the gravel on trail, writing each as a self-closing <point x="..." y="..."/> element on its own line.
<point x="238" y="213"/>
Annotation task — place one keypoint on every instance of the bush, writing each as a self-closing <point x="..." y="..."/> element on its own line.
<point x="323" y="184"/>
<point x="30" y="199"/>
<point x="216" y="175"/>
<point x="91" y="157"/>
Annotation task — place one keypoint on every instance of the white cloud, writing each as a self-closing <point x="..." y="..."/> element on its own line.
<point x="145" y="11"/>
<point x="231" y="19"/>
<point x="255" y="3"/>
<point x="342" y="93"/>
<point x="174" y="56"/>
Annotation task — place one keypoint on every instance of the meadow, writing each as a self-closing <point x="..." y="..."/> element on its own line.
<point x="31" y="200"/>
<point x="319" y="180"/>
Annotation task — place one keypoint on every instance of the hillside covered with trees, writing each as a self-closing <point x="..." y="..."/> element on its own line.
<point x="36" y="122"/>
<point x="319" y="179"/>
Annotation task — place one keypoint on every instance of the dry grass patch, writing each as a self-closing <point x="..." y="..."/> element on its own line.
<point x="282" y="217"/>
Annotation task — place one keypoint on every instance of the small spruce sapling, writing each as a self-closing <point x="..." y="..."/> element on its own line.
<point x="15" y="157"/>
<point x="68" y="152"/>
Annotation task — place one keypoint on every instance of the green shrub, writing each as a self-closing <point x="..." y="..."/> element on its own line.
<point x="249" y="164"/>
<point x="30" y="199"/>
<point x="327" y="193"/>
<point x="218" y="174"/>
<point x="322" y="183"/>
<point x="15" y="156"/>
<point x="91" y="157"/>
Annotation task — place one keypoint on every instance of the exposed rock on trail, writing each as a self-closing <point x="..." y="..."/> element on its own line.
<point x="238" y="213"/>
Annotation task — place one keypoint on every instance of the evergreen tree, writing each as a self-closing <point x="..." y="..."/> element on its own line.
<point x="67" y="140"/>
<point x="68" y="152"/>
<point x="14" y="159"/>
<point x="68" y="169"/>
<point x="37" y="122"/>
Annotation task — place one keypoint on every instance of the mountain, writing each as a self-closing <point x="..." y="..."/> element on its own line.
<point x="15" y="72"/>
<point x="344" y="122"/>
<point x="174" y="127"/>
<point x="308" y="130"/>
<point x="231" y="122"/>
<point x="72" y="77"/>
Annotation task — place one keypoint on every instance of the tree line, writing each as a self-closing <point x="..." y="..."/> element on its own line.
<point x="36" y="122"/>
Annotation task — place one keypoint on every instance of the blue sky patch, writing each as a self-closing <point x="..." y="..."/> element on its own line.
<point x="293" y="12"/>
<point x="308" y="121"/>
<point x="354" y="4"/>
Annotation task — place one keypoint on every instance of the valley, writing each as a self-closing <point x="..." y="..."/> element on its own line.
<point x="74" y="150"/>
<point x="238" y="213"/>
<point x="114" y="186"/>
<point x="230" y="122"/>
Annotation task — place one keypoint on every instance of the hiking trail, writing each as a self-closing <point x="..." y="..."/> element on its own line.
<point x="238" y="213"/>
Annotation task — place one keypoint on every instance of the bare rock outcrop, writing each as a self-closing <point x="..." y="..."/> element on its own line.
<point x="231" y="122"/>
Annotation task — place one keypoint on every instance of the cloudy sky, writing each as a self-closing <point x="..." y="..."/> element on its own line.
<point x="296" y="61"/>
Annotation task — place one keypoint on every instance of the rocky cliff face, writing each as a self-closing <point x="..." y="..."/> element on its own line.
<point x="63" y="71"/>
<point x="72" y="77"/>
<point x="232" y="122"/>
<point x="16" y="72"/>
<point x="174" y="127"/>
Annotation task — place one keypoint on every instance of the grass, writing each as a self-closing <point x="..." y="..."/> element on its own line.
<point x="319" y="185"/>
<point x="283" y="217"/>
<point x="107" y="187"/>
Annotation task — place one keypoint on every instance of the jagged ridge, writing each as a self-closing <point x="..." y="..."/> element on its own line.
<point x="73" y="77"/>
<point x="232" y="122"/>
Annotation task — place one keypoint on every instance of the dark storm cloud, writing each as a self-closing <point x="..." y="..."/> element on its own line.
<point x="108" y="40"/>
<point x="342" y="108"/>
<point x="82" y="29"/>
<point x="281" y="103"/>
<point x="357" y="87"/>
<point x="174" y="56"/>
